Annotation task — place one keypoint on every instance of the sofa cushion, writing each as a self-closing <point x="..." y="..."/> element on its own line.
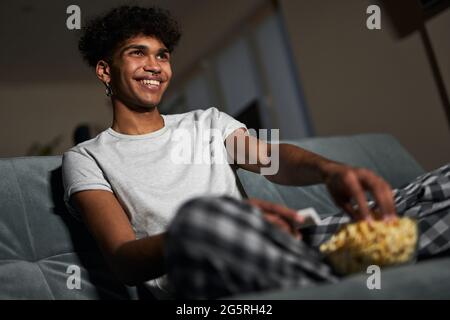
<point x="425" y="280"/>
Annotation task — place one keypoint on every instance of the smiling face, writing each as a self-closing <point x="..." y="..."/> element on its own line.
<point x="140" y="72"/>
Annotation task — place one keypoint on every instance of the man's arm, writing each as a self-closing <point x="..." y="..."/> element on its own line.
<point x="133" y="261"/>
<point x="300" y="167"/>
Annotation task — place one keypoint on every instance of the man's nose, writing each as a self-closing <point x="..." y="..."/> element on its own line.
<point x="152" y="66"/>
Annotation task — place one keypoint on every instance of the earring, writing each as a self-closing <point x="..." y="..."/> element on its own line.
<point x="109" y="91"/>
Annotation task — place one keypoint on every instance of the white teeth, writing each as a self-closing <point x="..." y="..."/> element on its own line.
<point x="151" y="82"/>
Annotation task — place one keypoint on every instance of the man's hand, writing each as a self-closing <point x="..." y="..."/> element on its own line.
<point x="281" y="216"/>
<point x="347" y="186"/>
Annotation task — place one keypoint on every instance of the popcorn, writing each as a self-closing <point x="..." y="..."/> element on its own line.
<point x="361" y="244"/>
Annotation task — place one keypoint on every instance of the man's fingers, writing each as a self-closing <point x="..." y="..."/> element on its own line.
<point x="382" y="193"/>
<point x="357" y="192"/>
<point x="285" y="212"/>
<point x="350" y="184"/>
<point x="281" y="216"/>
<point x="283" y="224"/>
<point x="385" y="202"/>
<point x="278" y="221"/>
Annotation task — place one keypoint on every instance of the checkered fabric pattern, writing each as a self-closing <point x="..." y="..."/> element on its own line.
<point x="219" y="246"/>
<point x="426" y="199"/>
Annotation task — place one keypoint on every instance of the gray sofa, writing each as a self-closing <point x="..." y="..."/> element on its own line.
<point x="39" y="240"/>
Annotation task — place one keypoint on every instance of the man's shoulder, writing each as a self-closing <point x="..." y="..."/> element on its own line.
<point x="88" y="146"/>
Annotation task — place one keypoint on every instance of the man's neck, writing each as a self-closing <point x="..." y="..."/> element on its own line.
<point x="136" y="122"/>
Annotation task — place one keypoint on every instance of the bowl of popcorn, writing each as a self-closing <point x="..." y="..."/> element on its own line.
<point x="360" y="244"/>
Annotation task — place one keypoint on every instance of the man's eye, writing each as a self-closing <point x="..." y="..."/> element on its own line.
<point x="163" y="56"/>
<point x="137" y="53"/>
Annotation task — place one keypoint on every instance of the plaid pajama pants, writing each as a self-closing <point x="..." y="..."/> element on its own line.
<point x="219" y="246"/>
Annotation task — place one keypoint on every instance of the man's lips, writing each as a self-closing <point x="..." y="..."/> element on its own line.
<point x="149" y="77"/>
<point x="152" y="84"/>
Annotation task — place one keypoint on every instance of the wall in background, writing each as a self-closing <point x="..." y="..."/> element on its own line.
<point x="46" y="90"/>
<point x="356" y="80"/>
<point x="40" y="113"/>
<point x="439" y="28"/>
<point x="251" y="77"/>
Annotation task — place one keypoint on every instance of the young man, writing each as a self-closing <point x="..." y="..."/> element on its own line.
<point x="128" y="189"/>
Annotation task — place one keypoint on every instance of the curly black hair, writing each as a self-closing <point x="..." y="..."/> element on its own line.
<point x="104" y="34"/>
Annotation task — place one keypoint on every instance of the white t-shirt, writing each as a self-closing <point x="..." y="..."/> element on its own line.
<point x="153" y="174"/>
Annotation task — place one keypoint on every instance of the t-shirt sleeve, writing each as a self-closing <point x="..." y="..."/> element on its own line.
<point x="225" y="123"/>
<point x="81" y="172"/>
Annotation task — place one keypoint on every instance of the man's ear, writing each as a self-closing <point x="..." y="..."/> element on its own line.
<point x="103" y="71"/>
